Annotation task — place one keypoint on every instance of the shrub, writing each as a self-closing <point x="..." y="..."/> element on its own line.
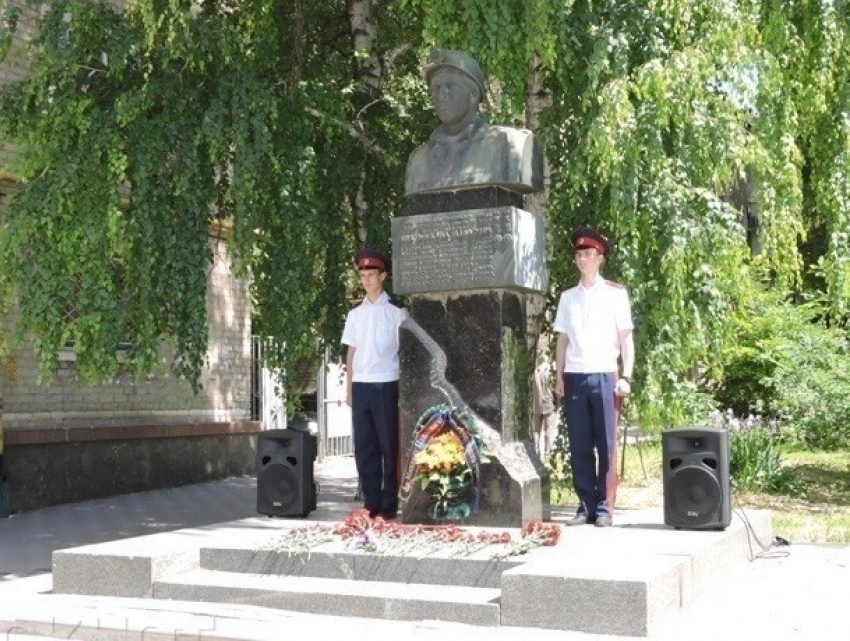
<point x="755" y="454"/>
<point x="812" y="392"/>
<point x="787" y="365"/>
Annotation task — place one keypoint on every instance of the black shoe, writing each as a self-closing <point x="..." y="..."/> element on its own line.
<point x="603" y="520"/>
<point x="578" y="519"/>
<point x="388" y="515"/>
<point x="373" y="513"/>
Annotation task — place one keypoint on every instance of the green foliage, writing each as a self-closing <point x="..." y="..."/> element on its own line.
<point x="764" y="329"/>
<point x="809" y="44"/>
<point x="784" y="363"/>
<point x="697" y="406"/>
<point x="755" y="455"/>
<point x="9" y="15"/>
<point x="812" y="390"/>
<point x="137" y="129"/>
<point x="560" y="471"/>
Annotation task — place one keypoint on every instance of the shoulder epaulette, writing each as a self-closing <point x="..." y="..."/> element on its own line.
<point x="614" y="283"/>
<point x="396" y="302"/>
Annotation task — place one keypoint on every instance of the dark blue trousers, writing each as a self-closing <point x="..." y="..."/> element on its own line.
<point x="591" y="417"/>
<point x="374" y="417"/>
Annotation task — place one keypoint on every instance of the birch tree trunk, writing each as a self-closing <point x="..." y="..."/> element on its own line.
<point x="365" y="52"/>
<point x="370" y="76"/>
<point x="537" y="99"/>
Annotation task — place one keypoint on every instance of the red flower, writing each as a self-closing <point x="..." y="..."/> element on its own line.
<point x="546" y="533"/>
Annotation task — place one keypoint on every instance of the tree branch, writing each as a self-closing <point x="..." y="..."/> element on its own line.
<point x="367" y="141"/>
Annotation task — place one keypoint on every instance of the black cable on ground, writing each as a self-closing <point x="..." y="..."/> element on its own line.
<point x="772" y="551"/>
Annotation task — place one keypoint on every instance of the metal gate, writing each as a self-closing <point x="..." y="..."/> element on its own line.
<point x="268" y="399"/>
<point x="332" y="418"/>
<point x="334" y="415"/>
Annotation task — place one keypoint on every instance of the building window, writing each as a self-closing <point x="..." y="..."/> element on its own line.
<point x="71" y="314"/>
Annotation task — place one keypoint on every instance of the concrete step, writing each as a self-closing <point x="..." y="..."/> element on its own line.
<point x="338" y="597"/>
<point x="477" y="570"/>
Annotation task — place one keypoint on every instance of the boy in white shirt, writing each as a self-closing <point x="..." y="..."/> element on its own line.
<point x="372" y="371"/>
<point x="594" y="325"/>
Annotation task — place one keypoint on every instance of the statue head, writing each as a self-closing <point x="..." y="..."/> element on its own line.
<point x="459" y="61"/>
<point x="455" y="84"/>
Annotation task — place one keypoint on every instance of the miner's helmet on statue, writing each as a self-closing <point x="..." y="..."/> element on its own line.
<point x="371" y="259"/>
<point x="587" y="238"/>
<point x="458" y="61"/>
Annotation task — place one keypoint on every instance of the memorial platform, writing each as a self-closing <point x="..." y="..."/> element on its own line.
<point x="633" y="577"/>
<point x="788" y="593"/>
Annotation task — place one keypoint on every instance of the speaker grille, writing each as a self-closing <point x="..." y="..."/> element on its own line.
<point x="696" y="494"/>
<point x="279" y="488"/>
<point x="696" y="478"/>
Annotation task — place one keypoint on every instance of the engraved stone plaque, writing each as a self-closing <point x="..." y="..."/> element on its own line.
<point x="501" y="247"/>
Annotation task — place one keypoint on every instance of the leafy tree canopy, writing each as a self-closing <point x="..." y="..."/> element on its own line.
<point x="137" y="128"/>
<point x="293" y="120"/>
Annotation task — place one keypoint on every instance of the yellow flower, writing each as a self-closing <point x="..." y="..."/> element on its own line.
<point x="443" y="455"/>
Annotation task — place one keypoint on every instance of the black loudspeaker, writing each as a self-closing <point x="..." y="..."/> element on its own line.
<point x="285" y="484"/>
<point x="696" y="478"/>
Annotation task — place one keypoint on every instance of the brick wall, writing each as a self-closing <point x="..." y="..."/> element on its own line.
<point x="158" y="398"/>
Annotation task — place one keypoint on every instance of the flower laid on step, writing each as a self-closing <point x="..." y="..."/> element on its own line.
<point x="445" y="463"/>
<point x="533" y="535"/>
<point x="302" y="539"/>
<point x="376" y="535"/>
<point x="358" y="532"/>
<point x="544" y="533"/>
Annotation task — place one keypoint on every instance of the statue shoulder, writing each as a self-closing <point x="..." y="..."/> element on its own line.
<point x="508" y="135"/>
<point x="525" y="153"/>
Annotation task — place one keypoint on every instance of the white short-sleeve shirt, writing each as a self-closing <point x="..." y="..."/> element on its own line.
<point x="372" y="328"/>
<point x="592" y="318"/>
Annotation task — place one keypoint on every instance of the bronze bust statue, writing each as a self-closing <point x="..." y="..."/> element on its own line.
<point x="464" y="151"/>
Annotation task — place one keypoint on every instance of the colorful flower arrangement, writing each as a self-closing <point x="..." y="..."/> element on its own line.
<point x="445" y="463"/>
<point x="442" y="455"/>
<point x="376" y="535"/>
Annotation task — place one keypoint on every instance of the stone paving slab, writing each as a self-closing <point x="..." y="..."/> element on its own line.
<point x="33" y="610"/>
<point x="332" y="563"/>
<point x="629" y="598"/>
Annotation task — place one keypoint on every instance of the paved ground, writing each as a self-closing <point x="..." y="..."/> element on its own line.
<point x="795" y="592"/>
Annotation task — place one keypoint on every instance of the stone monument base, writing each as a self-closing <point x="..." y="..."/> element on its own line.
<point x="469" y="351"/>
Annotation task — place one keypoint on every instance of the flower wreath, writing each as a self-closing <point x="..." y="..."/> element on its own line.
<point x="433" y="455"/>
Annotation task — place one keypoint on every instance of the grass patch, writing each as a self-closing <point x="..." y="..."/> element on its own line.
<point x="817" y="512"/>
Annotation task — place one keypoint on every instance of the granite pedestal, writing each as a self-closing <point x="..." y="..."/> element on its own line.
<point x="471" y="276"/>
